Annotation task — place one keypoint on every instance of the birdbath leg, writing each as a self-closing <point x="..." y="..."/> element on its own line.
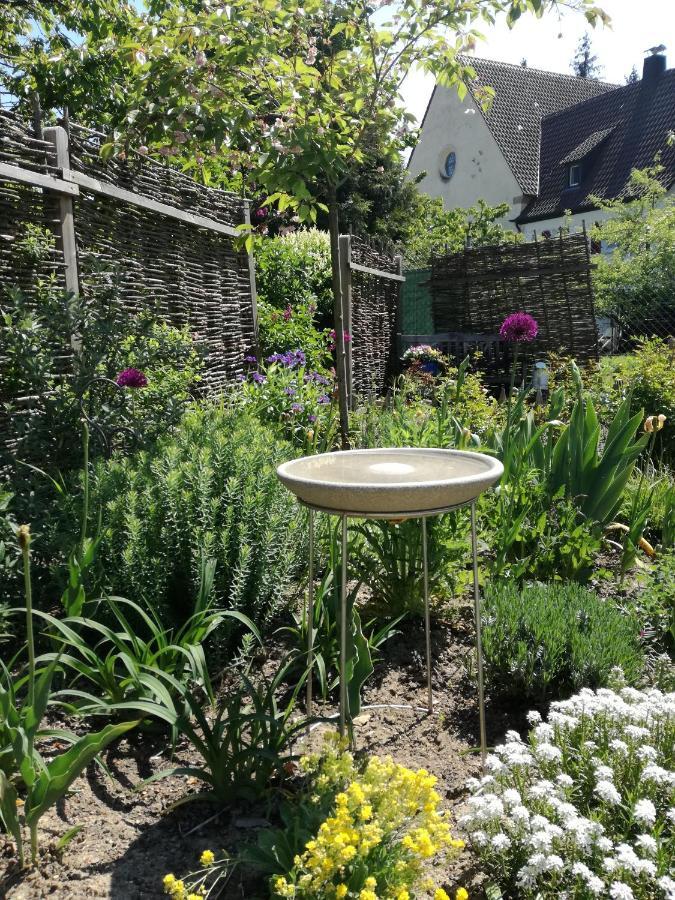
<point x="427" y="617"/>
<point x="479" y="643"/>
<point x="310" y="618"/>
<point x="343" y="631"/>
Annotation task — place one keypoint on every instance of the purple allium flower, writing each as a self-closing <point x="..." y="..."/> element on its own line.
<point x="258" y="378"/>
<point x="517" y="327"/>
<point x="297" y="407"/>
<point x="323" y="399"/>
<point x="131" y="378"/>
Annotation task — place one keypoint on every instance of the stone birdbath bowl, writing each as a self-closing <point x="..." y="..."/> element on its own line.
<point x="390" y="483"/>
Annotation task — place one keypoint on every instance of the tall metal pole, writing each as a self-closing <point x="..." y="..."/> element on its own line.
<point x="427" y="616"/>
<point x="479" y="643"/>
<point x="310" y="617"/>
<point x="343" y="631"/>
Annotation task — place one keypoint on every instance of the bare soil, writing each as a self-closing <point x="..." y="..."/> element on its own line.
<point x="129" y="840"/>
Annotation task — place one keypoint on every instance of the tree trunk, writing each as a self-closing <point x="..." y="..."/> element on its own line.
<point x="338" y="319"/>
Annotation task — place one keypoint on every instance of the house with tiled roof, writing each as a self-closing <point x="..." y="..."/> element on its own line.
<point x="547" y="143"/>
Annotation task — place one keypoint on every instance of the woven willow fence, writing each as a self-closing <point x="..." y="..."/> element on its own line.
<point x="473" y="292"/>
<point x="371" y="284"/>
<point x="168" y="239"/>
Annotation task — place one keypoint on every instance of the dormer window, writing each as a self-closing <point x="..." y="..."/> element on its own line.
<point x="574" y="175"/>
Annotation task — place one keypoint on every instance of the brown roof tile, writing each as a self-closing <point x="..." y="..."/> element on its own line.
<point x="523" y="97"/>
<point x="634" y="122"/>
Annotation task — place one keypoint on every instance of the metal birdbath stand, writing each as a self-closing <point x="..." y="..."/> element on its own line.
<point x="390" y="484"/>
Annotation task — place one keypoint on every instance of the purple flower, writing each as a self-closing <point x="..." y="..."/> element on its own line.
<point x="311" y="418"/>
<point x="297" y="407"/>
<point x="276" y="357"/>
<point x="289" y="391"/>
<point x="250" y="359"/>
<point x="258" y="378"/>
<point x="317" y="378"/>
<point x="131" y="378"/>
<point x="323" y="399"/>
<point x="517" y="327"/>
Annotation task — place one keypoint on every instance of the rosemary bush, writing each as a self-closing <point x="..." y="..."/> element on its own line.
<point x="208" y="489"/>
<point x="544" y="641"/>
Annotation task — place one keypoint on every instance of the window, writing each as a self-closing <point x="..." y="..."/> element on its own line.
<point x="448" y="166"/>
<point x="574" y="175"/>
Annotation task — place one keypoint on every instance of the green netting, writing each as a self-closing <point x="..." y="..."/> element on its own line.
<point x="416" y="315"/>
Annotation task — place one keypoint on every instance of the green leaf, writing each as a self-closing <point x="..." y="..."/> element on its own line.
<point x="60" y="773"/>
<point x="8" y="808"/>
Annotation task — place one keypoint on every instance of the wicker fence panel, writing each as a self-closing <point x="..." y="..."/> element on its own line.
<point x="473" y="291"/>
<point x="187" y="274"/>
<point x="374" y="318"/>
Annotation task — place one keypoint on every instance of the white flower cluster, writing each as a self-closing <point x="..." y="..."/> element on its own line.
<point x="585" y="808"/>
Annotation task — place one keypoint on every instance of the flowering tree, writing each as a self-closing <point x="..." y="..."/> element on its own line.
<point x="291" y="92"/>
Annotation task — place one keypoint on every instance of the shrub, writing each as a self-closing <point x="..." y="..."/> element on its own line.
<point x="287" y="392"/>
<point x="295" y="328"/>
<point x="434" y="412"/>
<point x="586" y="807"/>
<point x="356" y="830"/>
<point x="296" y="269"/>
<point x="648" y="375"/>
<point x="36" y="332"/>
<point x="655" y="605"/>
<point x="635" y="283"/>
<point x="208" y="490"/>
<point x="543" y="641"/>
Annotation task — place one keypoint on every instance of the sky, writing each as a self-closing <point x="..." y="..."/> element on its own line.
<point x="549" y="43"/>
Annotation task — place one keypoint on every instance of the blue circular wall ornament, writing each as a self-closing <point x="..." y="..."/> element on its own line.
<point x="449" y="165"/>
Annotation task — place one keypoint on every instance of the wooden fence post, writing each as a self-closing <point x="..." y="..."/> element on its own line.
<point x="59" y="138"/>
<point x="251" y="278"/>
<point x="346" y="288"/>
<point x="398" y="318"/>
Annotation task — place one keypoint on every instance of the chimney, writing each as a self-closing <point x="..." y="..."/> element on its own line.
<point x="654" y="67"/>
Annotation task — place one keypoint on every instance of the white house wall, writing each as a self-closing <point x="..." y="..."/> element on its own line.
<point x="575" y="222"/>
<point x="481" y="172"/>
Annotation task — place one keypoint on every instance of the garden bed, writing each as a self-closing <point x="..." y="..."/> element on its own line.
<point x="129" y="841"/>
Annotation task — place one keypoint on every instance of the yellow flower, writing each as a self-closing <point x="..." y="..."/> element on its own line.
<point x="168" y="882"/>
<point x="370" y="882"/>
<point x="341" y="891"/>
<point x="283" y="888"/>
<point x="403" y="895"/>
<point x="462" y="894"/>
<point x="207" y="858"/>
<point x="367" y="895"/>
<point x="440" y="894"/>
